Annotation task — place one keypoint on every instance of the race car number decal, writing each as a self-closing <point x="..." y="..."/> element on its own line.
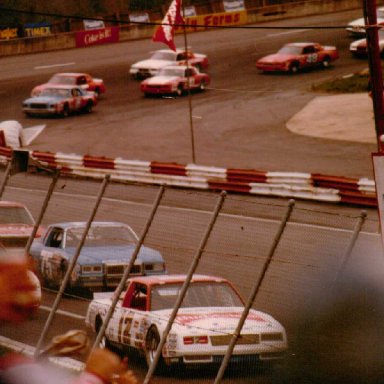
<point x="312" y="58"/>
<point x="125" y="325"/>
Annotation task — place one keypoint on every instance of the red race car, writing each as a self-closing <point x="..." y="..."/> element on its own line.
<point x="293" y="57"/>
<point x="83" y="80"/>
<point x="174" y="80"/>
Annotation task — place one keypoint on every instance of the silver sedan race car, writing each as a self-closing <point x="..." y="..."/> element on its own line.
<point x="203" y="327"/>
<point x="106" y="253"/>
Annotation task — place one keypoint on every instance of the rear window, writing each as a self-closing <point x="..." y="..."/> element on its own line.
<point x="15" y="215"/>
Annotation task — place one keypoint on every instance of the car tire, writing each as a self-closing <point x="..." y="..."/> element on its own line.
<point x="326" y="62"/>
<point x="202" y="86"/>
<point x="97" y="92"/>
<point x="65" y="112"/>
<point x="152" y="341"/>
<point x="294" y="68"/>
<point x="179" y="90"/>
<point x="88" y="108"/>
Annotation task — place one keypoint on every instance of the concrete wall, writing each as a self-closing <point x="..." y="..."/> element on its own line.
<point x="257" y="15"/>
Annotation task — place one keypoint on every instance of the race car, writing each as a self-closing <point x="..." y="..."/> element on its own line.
<point x="203" y="327"/>
<point x="60" y="100"/>
<point x="358" y="48"/>
<point x="83" y="80"/>
<point x="175" y="80"/>
<point x="165" y="57"/>
<point x="293" y="57"/>
<point x="357" y="27"/>
<point x="103" y="258"/>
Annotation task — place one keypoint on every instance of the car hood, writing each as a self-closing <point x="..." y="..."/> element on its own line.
<point x="114" y="254"/>
<point x="277" y="58"/>
<point x="43" y="99"/>
<point x="161" y="80"/>
<point x="216" y="320"/>
<point x="153" y="64"/>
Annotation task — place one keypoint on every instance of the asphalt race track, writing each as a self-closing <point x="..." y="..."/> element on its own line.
<point x="238" y="122"/>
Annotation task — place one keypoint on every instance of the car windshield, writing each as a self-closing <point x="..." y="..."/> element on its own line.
<point x="101" y="236"/>
<point x="15" y="215"/>
<point x="59" y="79"/>
<point x="56" y="92"/>
<point x="161" y="55"/>
<point x="179" y="72"/>
<point x="290" y="50"/>
<point x="199" y="294"/>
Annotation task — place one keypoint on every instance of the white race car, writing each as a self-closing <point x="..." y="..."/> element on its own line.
<point x="359" y="47"/>
<point x="356" y="27"/>
<point x="203" y="327"/>
<point x="165" y="57"/>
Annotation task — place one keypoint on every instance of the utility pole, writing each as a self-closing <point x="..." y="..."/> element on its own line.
<point x="375" y="71"/>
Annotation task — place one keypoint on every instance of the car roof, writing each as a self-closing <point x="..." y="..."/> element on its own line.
<point x="11" y="204"/>
<point x="70" y="74"/>
<point x="175" y="278"/>
<point x="62" y="86"/>
<point x="301" y="44"/>
<point x="178" y="67"/>
<point x="82" y="224"/>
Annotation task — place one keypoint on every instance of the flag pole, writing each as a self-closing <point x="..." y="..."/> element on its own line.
<point x="189" y="89"/>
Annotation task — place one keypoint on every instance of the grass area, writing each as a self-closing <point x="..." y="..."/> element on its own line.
<point x="354" y="83"/>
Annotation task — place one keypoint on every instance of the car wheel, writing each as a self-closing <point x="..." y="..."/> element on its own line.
<point x="151" y="343"/>
<point x="65" y="112"/>
<point x="202" y="85"/>
<point x="294" y="68"/>
<point x="97" y="92"/>
<point x="326" y="62"/>
<point x="179" y="90"/>
<point x="88" y="108"/>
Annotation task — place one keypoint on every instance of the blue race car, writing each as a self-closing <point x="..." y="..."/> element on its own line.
<point x="105" y="254"/>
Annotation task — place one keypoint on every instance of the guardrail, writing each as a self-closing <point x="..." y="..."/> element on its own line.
<point x="67" y="40"/>
<point x="317" y="187"/>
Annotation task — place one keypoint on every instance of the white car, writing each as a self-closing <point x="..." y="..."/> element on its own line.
<point x="356" y="27"/>
<point x="203" y="327"/>
<point x="165" y="57"/>
<point x="359" y="47"/>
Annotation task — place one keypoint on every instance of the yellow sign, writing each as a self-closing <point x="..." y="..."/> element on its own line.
<point x="8" y="33"/>
<point x="204" y="22"/>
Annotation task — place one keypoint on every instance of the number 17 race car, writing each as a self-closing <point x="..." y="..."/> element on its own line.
<point x="293" y="57"/>
<point x="203" y="327"/>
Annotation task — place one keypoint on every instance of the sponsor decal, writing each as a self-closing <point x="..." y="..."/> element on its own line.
<point x="190" y="318"/>
<point x="97" y="36"/>
<point x="36" y="30"/>
<point x="93" y="24"/>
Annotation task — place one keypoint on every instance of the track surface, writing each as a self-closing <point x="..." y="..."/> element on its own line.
<point x="238" y="122"/>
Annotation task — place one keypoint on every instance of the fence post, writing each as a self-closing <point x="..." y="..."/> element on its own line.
<point x="123" y="280"/>
<point x="254" y="292"/>
<point x="71" y="267"/>
<point x="6" y="177"/>
<point x="184" y="287"/>
<point x="56" y="176"/>
<point x="355" y="234"/>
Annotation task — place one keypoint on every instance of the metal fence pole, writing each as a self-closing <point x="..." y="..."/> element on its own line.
<point x="184" y="287"/>
<point x="56" y="176"/>
<point x="6" y="177"/>
<point x="359" y="224"/>
<point x="254" y="292"/>
<point x="127" y="270"/>
<point x="71" y="267"/>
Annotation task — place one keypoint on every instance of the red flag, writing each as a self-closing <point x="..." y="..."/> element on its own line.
<point x="165" y="32"/>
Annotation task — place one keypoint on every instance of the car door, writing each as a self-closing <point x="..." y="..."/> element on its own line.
<point x="311" y="56"/>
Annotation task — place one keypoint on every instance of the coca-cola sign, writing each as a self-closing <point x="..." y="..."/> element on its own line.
<point x="97" y="36"/>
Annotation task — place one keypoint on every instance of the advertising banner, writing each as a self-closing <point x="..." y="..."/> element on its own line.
<point x="8" y="33"/>
<point x="97" y="36"/>
<point x="93" y="24"/>
<point x="37" y="29"/>
<point x="233" y="5"/>
<point x="223" y="19"/>
<point x="139" y="17"/>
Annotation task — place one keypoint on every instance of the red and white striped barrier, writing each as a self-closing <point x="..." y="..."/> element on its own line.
<point x="284" y="184"/>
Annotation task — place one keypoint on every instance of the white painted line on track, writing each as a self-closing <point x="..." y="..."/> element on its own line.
<point x="288" y="32"/>
<point x="63" y="313"/>
<point x="54" y="65"/>
<point x="28" y="350"/>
